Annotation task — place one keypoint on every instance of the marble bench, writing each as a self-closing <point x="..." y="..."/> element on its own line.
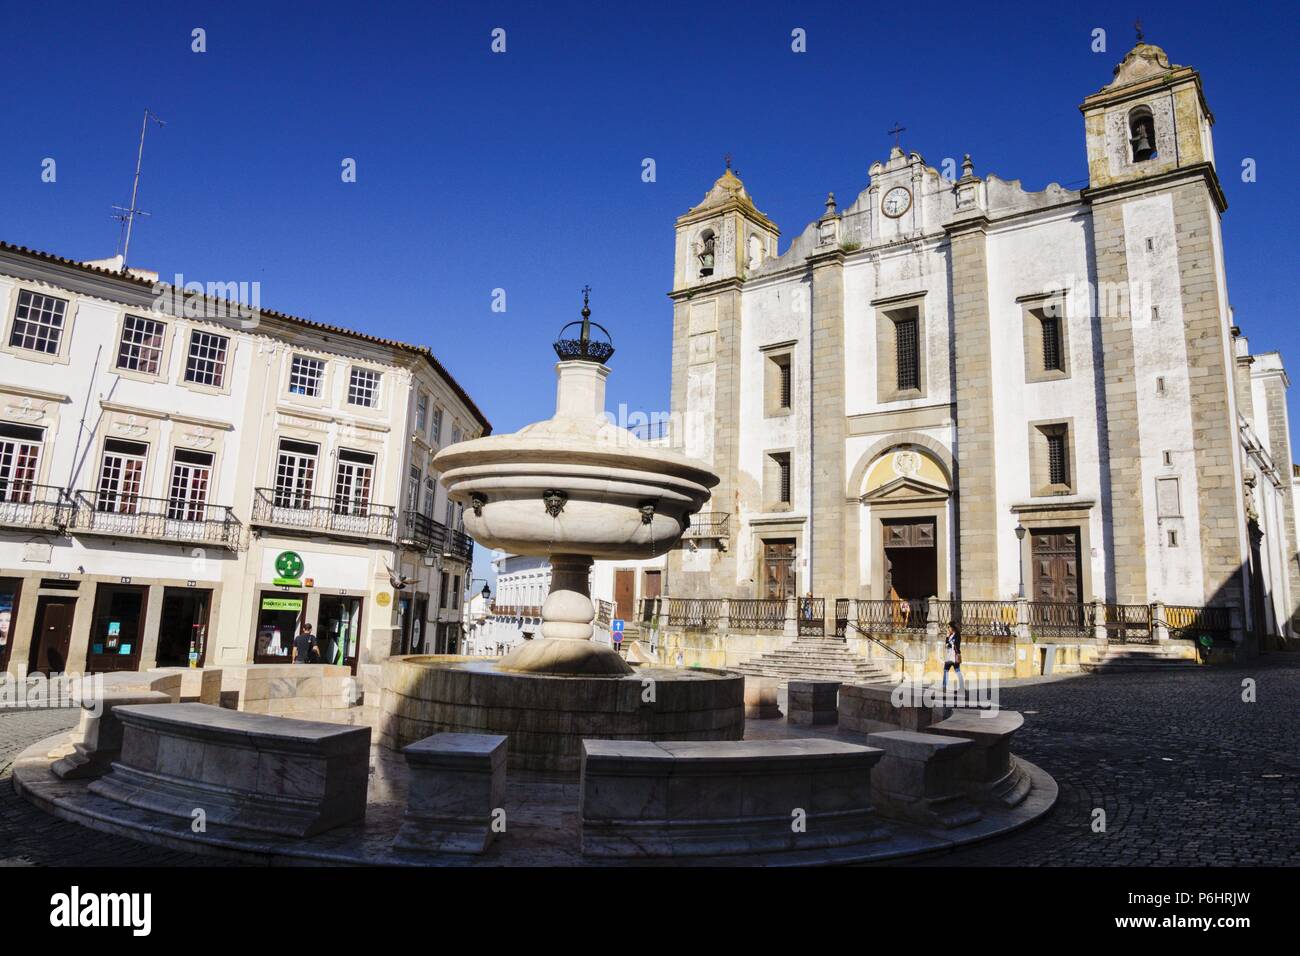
<point x="988" y="771"/>
<point x="97" y="742"/>
<point x="643" y="798"/>
<point x="918" y="778"/>
<point x="812" y="701"/>
<point x="457" y="790"/>
<point x="268" y="774"/>
<point x="875" y="708"/>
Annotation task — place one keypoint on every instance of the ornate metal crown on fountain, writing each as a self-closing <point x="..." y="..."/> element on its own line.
<point x="573" y="488"/>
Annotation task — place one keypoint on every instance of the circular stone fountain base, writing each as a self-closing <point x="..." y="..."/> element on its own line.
<point x="547" y="716"/>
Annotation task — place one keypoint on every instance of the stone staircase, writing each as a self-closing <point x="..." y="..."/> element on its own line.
<point x="1131" y="658"/>
<point x="815" y="658"/>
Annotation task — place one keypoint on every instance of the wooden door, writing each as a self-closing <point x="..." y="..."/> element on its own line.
<point x="53" y="637"/>
<point x="624" y="592"/>
<point x="778" y="569"/>
<point x="1055" y="563"/>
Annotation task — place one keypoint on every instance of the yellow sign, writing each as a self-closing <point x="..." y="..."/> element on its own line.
<point x="383" y="599"/>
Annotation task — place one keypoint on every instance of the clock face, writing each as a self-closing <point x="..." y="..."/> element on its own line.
<point x="896" y="202"/>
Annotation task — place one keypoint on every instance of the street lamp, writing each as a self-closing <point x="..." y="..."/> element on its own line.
<point x="1020" y="537"/>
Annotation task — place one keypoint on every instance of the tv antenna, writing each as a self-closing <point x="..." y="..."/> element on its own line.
<point x="127" y="216"/>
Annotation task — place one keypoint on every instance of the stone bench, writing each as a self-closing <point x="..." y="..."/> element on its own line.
<point x="874" y="708"/>
<point x="97" y="742"/>
<point x="457" y="790"/>
<point x="988" y="770"/>
<point x="918" y="778"/>
<point x="812" y="701"/>
<point x="304" y="691"/>
<point x="269" y="774"/>
<point x="761" y="698"/>
<point x="197" y="684"/>
<point x="643" y="798"/>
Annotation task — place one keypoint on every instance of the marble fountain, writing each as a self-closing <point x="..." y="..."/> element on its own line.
<point x="572" y="488"/>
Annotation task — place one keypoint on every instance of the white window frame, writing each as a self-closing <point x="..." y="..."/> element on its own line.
<point x="306" y="380"/>
<point x="140" y="346"/>
<point x="56" y="332"/>
<point x="217" y="368"/>
<point x="371" y="390"/>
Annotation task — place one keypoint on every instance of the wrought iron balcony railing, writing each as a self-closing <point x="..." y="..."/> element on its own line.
<point x="27" y="505"/>
<point x="708" y="524"/>
<point x="315" y="514"/>
<point x="429" y="534"/>
<point x="159" y="519"/>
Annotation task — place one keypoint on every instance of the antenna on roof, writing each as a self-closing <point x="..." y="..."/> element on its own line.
<point x="127" y="215"/>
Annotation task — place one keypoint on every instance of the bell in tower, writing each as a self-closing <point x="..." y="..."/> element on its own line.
<point x="706" y="255"/>
<point x="1141" y="138"/>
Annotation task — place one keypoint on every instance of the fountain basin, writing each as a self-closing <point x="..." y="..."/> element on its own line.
<point x="546" y="716"/>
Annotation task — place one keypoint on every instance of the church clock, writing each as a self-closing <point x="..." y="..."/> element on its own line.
<point x="896" y="202"/>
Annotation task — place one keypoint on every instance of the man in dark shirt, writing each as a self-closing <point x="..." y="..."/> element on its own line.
<point x="305" y="650"/>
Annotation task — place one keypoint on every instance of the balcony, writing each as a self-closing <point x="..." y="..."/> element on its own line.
<point x="115" y="515"/>
<point x="34" y="507"/>
<point x="319" y="515"/>
<point x="708" y="526"/>
<point x="427" y="534"/>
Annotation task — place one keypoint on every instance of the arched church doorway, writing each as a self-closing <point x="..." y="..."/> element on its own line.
<point x="905" y="494"/>
<point x="911" y="558"/>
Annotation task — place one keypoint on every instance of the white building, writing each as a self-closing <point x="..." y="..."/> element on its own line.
<point x="181" y="479"/>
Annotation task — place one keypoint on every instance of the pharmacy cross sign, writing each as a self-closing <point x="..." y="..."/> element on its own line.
<point x="288" y="565"/>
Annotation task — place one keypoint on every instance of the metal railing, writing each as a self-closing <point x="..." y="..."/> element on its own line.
<point x="648" y="610"/>
<point x="118" y="515"/>
<point x="760" y="614"/>
<point x="316" y="514"/>
<point x="1192" y="623"/>
<point x="892" y="617"/>
<point x="1128" y="623"/>
<point x="430" y="534"/>
<point x="812" y="616"/>
<point x="516" y="610"/>
<point x="27" y="505"/>
<point x="1048" y="619"/>
<point x="995" y="620"/>
<point x="708" y="524"/>
<point x="876" y="642"/>
<point x="695" y="613"/>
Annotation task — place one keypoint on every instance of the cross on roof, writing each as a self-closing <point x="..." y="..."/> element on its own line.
<point x="1137" y="25"/>
<point x="896" y="132"/>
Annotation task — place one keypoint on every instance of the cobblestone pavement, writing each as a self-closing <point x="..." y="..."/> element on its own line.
<point x="31" y="837"/>
<point x="1187" y="773"/>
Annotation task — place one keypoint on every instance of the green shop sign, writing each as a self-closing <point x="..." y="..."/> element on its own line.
<point x="288" y="568"/>
<point x="281" y="604"/>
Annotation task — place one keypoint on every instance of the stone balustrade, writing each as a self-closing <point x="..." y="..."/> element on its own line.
<point x="274" y="775"/>
<point x="457" y="792"/>
<point x="718" y="798"/>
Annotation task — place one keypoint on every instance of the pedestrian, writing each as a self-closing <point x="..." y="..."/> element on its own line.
<point x="952" y="659"/>
<point x="305" y="648"/>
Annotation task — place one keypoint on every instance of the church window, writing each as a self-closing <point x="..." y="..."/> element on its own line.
<point x="1142" y="134"/>
<point x="1173" y="539"/>
<point x="705" y="252"/>
<point x="1160" y="384"/>
<point x="906" y="355"/>
<point x="1051" y="458"/>
<point x="784" y="368"/>
<point x="1057" y="467"/>
<point x="778" y="380"/>
<point x="777" y="480"/>
<point x="1052" y="357"/>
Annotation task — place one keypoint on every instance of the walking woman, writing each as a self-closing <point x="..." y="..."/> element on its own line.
<point x="952" y="658"/>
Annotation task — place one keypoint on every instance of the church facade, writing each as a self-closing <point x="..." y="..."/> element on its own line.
<point x="957" y="388"/>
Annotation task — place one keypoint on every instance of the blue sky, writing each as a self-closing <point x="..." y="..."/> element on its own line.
<point x="522" y="170"/>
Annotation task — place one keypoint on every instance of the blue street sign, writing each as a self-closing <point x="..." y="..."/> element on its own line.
<point x="616" y="625"/>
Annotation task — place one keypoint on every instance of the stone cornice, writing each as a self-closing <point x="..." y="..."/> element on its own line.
<point x="26" y="391"/>
<point x="163" y="415"/>
<point x="832" y="256"/>
<point x="1063" y="503"/>
<point x="730" y="284"/>
<point x="1203" y="171"/>
<point x="968" y="224"/>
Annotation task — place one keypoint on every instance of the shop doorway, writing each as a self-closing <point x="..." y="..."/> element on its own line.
<point x="10" y="590"/>
<point x="53" y="637"/>
<point x="278" y="615"/>
<point x="183" y="628"/>
<point x="404" y="622"/>
<point x="116" y="628"/>
<point x="338" y="628"/>
<point x="911" y="558"/>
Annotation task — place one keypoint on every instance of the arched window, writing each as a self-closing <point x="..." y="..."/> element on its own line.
<point x="1142" y="134"/>
<point x="704" y="252"/>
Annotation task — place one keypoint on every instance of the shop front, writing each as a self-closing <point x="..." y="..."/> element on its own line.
<point x="338" y="629"/>
<point x="279" y="616"/>
<point x="10" y="591"/>
<point x="183" y="627"/>
<point x="116" y="628"/>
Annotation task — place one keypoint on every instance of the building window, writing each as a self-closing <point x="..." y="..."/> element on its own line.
<point x="1053" y="357"/>
<point x="1142" y="134"/>
<point x="187" y="493"/>
<point x="1058" y="466"/>
<point x="455" y="592"/>
<point x="777" y="481"/>
<point x="456" y="434"/>
<point x="421" y="412"/>
<point x="295" y="473"/>
<point x="430" y="493"/>
<point x="38" y="322"/>
<point x="413" y="488"/>
<point x="20" y="456"/>
<point x="305" y="376"/>
<point x="353" y="482"/>
<point x="1173" y="539"/>
<point x="141" y="347"/>
<point x="778" y="383"/>
<point x="450" y="515"/>
<point x="121" y="476"/>
<point x="906" y="355"/>
<point x="363" y="387"/>
<point x="206" y="363"/>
